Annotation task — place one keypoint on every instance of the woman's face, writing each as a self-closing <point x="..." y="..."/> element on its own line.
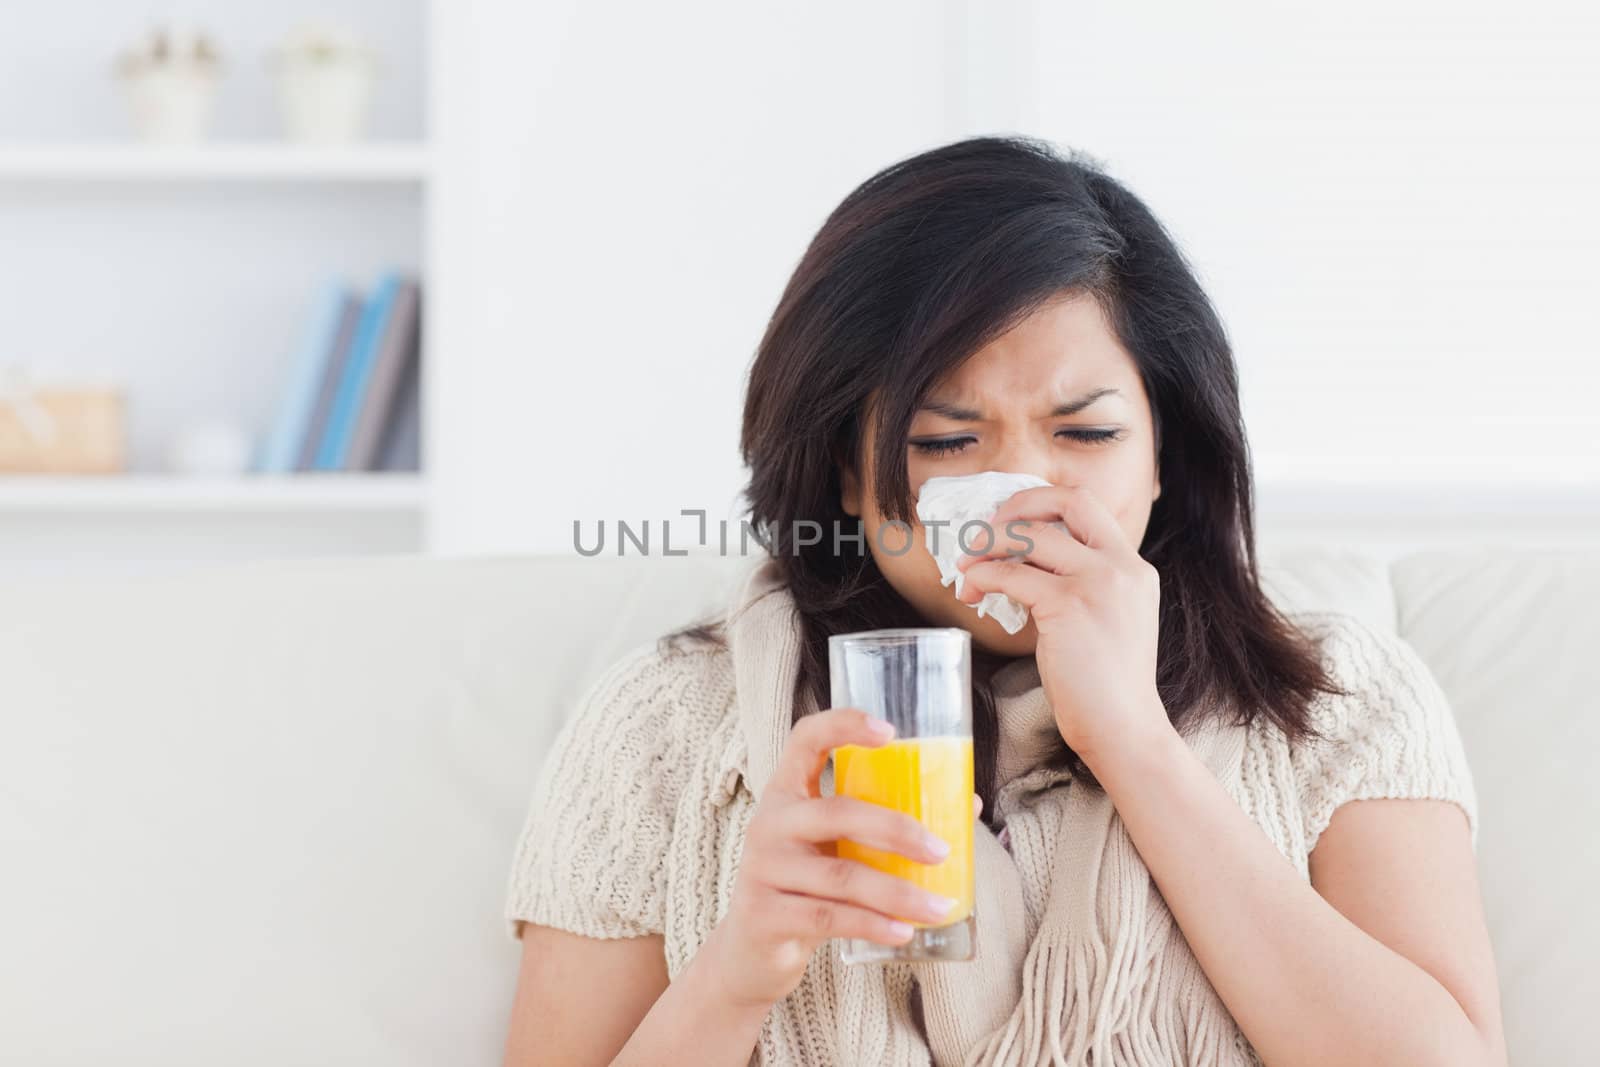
<point x="1018" y="405"/>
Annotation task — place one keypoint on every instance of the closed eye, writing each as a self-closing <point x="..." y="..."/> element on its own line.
<point x="945" y="446"/>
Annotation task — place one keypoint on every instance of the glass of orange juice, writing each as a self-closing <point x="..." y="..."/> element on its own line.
<point x="920" y="679"/>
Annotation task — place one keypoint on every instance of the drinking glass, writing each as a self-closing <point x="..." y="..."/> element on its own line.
<point x="920" y="679"/>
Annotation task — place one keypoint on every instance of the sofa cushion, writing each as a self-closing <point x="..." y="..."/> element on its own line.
<point x="1514" y="639"/>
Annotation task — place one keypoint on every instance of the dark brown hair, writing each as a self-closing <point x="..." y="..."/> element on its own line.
<point x="914" y="272"/>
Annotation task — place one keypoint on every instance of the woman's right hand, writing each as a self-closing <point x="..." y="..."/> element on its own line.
<point x="793" y="891"/>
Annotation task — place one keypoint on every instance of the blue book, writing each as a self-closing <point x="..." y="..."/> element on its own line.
<point x="334" y="449"/>
<point x="279" y="449"/>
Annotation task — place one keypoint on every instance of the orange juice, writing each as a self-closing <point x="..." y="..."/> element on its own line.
<point x="930" y="779"/>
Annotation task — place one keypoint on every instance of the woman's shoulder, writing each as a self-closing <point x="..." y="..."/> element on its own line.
<point x="653" y="737"/>
<point x="1391" y="733"/>
<point x="1369" y="662"/>
<point x="657" y="716"/>
<point x="685" y="684"/>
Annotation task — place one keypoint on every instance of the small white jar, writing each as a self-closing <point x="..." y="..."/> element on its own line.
<point x="324" y="93"/>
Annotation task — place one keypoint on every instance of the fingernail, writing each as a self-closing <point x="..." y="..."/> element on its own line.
<point x="881" y="727"/>
<point x="899" y="929"/>
<point x="937" y="846"/>
<point x="938" y="906"/>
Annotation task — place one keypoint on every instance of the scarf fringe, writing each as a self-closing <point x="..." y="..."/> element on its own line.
<point x="1091" y="1000"/>
<point x="1068" y="1026"/>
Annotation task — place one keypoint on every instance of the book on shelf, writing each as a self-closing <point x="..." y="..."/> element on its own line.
<point x="396" y="352"/>
<point x="333" y="354"/>
<point x="401" y="445"/>
<point x="334" y="301"/>
<point x="352" y="399"/>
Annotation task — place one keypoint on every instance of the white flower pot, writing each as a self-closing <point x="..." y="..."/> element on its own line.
<point x="172" y="104"/>
<point x="324" y="101"/>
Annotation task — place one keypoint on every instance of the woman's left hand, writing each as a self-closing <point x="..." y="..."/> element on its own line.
<point x="1096" y="605"/>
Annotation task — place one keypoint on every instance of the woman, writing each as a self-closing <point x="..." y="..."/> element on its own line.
<point x="1212" y="831"/>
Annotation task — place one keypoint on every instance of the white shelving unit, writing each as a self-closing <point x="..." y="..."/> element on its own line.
<point x="220" y="161"/>
<point x="331" y="493"/>
<point x="333" y="499"/>
<point x="85" y="212"/>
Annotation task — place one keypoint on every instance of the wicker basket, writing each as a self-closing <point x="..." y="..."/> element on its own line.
<point x="62" y="430"/>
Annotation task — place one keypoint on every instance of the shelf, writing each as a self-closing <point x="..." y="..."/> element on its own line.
<point x="398" y="492"/>
<point x="376" y="161"/>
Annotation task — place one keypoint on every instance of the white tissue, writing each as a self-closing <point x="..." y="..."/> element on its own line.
<point x="955" y="501"/>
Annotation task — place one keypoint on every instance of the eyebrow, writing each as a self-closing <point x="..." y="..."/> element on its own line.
<point x="1070" y="407"/>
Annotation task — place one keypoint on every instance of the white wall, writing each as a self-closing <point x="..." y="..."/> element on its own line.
<point x="1382" y="204"/>
<point x="626" y="200"/>
<point x="1393" y="205"/>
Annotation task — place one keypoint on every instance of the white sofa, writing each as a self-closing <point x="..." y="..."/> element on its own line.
<point x="263" y="814"/>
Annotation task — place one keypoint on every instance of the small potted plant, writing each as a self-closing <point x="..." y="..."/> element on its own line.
<point x="325" y="78"/>
<point x="171" y="83"/>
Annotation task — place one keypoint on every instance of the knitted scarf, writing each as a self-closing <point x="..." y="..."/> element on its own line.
<point x="1078" y="959"/>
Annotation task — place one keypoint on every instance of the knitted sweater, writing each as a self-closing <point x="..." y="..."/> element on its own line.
<point x="639" y="811"/>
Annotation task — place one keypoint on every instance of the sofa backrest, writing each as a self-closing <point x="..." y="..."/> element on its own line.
<point x="263" y="813"/>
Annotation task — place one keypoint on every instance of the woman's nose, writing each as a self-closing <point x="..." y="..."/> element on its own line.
<point x="1029" y="458"/>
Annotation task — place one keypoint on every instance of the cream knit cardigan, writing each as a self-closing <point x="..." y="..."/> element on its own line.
<point x="640" y="807"/>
